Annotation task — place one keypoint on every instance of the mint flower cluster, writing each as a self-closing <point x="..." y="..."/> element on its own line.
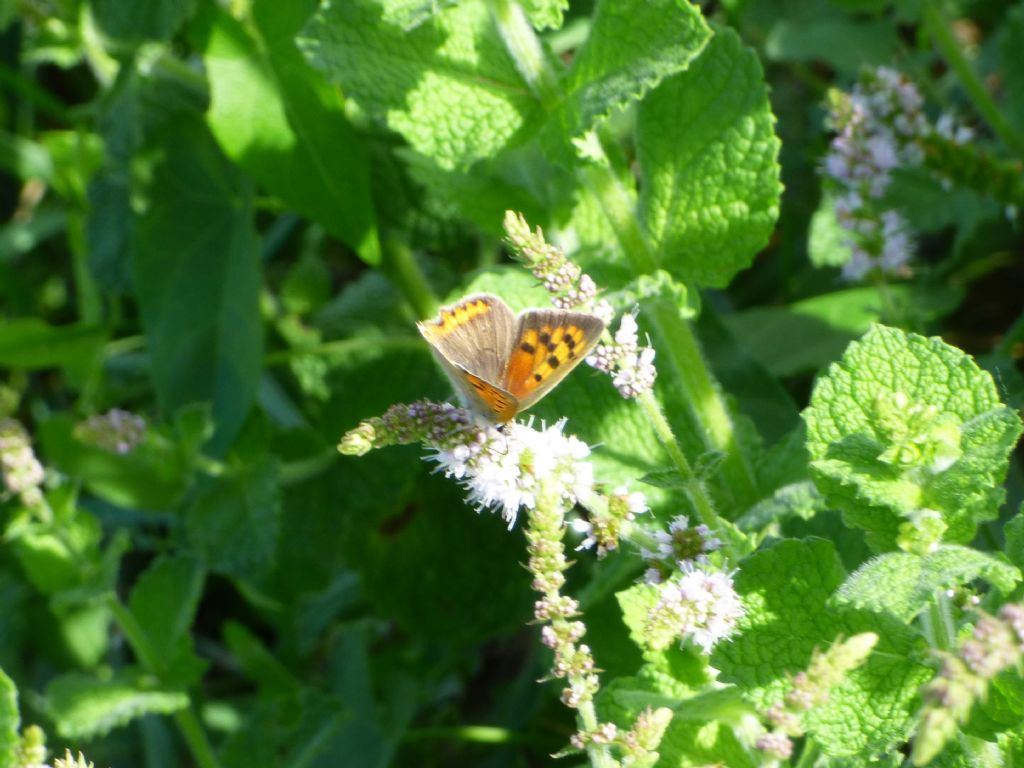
<point x="569" y="286"/>
<point x="695" y="601"/>
<point x="878" y="127"/>
<point x="504" y="469"/>
<point x="603" y="528"/>
<point x="544" y="472"/>
<point x="630" y="365"/>
<point x="812" y="688"/>
<point x="117" y="431"/>
<point x="695" y="604"/>
<point x="995" y="645"/>
<point x="678" y="547"/>
<point x="22" y="473"/>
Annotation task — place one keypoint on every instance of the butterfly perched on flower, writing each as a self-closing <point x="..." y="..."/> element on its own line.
<point x="502" y="363"/>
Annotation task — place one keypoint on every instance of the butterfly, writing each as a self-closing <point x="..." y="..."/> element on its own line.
<point x="501" y="363"/>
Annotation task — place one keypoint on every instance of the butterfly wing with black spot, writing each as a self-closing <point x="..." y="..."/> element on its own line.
<point x="548" y="344"/>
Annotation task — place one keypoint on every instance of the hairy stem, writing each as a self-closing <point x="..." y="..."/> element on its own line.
<point x="617" y="204"/>
<point x="694" y="488"/>
<point x="402" y="269"/>
<point x="526" y="51"/>
<point x="700" y="389"/>
<point x="704" y="396"/>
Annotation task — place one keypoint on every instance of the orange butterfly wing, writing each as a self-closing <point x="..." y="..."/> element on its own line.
<point x="501" y="405"/>
<point x="547" y="346"/>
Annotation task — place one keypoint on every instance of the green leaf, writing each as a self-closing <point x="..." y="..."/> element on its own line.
<point x="711" y="743"/>
<point x="109" y="229"/>
<point x="794" y="500"/>
<point x="10" y="742"/>
<point x="1011" y="43"/>
<point x="905" y="584"/>
<point x="448" y="86"/>
<point x="754" y="393"/>
<point x="397" y="540"/>
<point x="233" y="521"/>
<point x="50" y="563"/>
<point x="135" y="22"/>
<point x="409" y="14"/>
<point x="631" y="49"/>
<point x="310" y="728"/>
<point x="84" y="707"/>
<point x="259" y="664"/>
<point x="110" y="220"/>
<point x="823" y="326"/>
<point x="25" y="158"/>
<point x="1014" y="533"/>
<point x="29" y="344"/>
<point x="930" y="205"/>
<point x="827" y="240"/>
<point x="197" y="275"/>
<point x="164" y="602"/>
<point x="280" y="120"/>
<point x="905" y="426"/>
<point x="785" y="591"/>
<point x="818" y="32"/>
<point x="636" y="603"/>
<point x="83" y="631"/>
<point x="704" y="725"/>
<point x="708" y="156"/>
<point x="61" y="553"/>
<point x="545" y="13"/>
<point x="491" y="187"/>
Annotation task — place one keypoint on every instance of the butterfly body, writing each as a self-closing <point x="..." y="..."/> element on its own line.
<point x="502" y="363"/>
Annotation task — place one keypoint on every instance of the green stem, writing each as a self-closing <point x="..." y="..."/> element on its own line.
<point x="618" y="206"/>
<point x="401" y="267"/>
<point x="104" y="67"/>
<point x="889" y="312"/>
<point x="702" y="393"/>
<point x="191" y="730"/>
<point x="983" y="102"/>
<point x="938" y="623"/>
<point x="194" y="735"/>
<point x="136" y="636"/>
<point x="694" y="488"/>
<point x="809" y="754"/>
<point x="700" y="389"/>
<point x="600" y="756"/>
<point x="523" y="45"/>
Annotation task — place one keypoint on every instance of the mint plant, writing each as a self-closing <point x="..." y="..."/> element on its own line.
<point x="774" y="520"/>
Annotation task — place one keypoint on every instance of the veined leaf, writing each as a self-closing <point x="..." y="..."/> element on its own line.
<point x="281" y="121"/>
<point x="197" y="276"/>
<point x="447" y="86"/>
<point x="84" y="707"/>
<point x="709" y="159"/>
